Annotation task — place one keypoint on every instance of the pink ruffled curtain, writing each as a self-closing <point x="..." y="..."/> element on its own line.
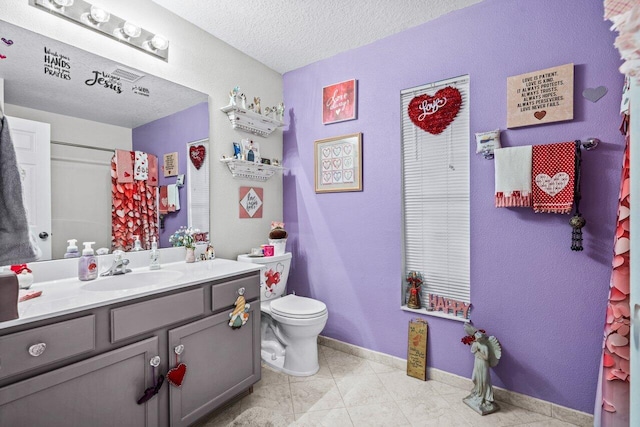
<point x="615" y="378"/>
<point x="134" y="212"/>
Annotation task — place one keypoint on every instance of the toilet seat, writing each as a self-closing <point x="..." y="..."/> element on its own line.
<point x="295" y="307"/>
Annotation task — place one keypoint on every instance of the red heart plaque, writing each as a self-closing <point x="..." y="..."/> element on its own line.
<point x="197" y="153"/>
<point x="176" y="375"/>
<point x="435" y="113"/>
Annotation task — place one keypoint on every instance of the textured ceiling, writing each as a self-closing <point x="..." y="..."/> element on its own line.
<point x="289" y="34"/>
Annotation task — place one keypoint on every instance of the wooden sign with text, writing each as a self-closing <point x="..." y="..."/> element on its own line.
<point x="417" y="349"/>
<point x="543" y="96"/>
<point x="171" y="164"/>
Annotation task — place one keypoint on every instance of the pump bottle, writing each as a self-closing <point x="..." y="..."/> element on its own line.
<point x="72" y="249"/>
<point x="136" y="244"/>
<point x="155" y="256"/>
<point x="87" y="265"/>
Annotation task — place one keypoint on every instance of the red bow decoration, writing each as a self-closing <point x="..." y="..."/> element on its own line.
<point x="435" y="113"/>
<point x="20" y="268"/>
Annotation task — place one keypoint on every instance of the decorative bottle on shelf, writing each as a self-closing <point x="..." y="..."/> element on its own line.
<point x="250" y="155"/>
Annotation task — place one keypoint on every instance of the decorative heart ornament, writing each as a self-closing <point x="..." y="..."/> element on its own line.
<point x="594" y="95"/>
<point x="176" y="375"/>
<point x="552" y="185"/>
<point x="435" y="113"/>
<point x="197" y="154"/>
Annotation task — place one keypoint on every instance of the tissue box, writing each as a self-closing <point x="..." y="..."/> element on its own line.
<point x="8" y="296"/>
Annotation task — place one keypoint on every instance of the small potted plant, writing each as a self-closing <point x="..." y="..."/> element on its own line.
<point x="278" y="237"/>
<point x="186" y="237"/>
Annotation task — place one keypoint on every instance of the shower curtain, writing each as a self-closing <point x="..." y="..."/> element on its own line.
<point x="613" y="394"/>
<point x="134" y="211"/>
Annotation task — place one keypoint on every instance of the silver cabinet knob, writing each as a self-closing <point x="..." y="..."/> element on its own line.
<point x="179" y="349"/>
<point x="241" y="291"/>
<point x="37" y="349"/>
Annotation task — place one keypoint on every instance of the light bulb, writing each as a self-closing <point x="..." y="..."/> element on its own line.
<point x="159" y="42"/>
<point x="99" y="15"/>
<point x="131" y="30"/>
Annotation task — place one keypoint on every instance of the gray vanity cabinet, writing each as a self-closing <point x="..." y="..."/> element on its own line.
<point x="221" y="363"/>
<point x="100" y="391"/>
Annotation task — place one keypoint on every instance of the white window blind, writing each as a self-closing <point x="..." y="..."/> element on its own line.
<point x="198" y="189"/>
<point x="436" y="198"/>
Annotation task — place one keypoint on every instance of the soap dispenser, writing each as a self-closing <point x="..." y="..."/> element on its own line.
<point x="136" y="244"/>
<point x="72" y="249"/>
<point x="155" y="256"/>
<point x="87" y="265"/>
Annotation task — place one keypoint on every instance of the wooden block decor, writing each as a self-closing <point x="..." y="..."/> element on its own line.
<point x="417" y="349"/>
<point x="540" y="97"/>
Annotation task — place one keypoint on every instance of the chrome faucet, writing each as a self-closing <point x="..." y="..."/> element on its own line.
<point x="119" y="265"/>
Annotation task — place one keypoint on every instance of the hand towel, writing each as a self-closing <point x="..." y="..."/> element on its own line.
<point x="513" y="177"/>
<point x="14" y="226"/>
<point x="173" y="197"/>
<point x="153" y="170"/>
<point x="553" y="176"/>
<point x="124" y="166"/>
<point x="163" y="201"/>
<point x="141" y="166"/>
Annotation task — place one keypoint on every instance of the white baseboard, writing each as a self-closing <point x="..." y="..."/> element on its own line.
<point x="529" y="403"/>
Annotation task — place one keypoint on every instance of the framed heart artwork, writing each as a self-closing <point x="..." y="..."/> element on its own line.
<point x="339" y="102"/>
<point x="338" y="164"/>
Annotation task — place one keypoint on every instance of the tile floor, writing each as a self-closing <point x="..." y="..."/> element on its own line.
<point x="351" y="391"/>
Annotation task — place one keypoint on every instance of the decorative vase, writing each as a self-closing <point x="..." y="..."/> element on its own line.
<point x="279" y="246"/>
<point x="191" y="255"/>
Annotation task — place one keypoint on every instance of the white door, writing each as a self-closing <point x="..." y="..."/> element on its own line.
<point x="32" y="144"/>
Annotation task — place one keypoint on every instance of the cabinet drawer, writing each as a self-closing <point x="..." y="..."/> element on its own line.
<point x="37" y="347"/>
<point x="147" y="316"/>
<point x="225" y="294"/>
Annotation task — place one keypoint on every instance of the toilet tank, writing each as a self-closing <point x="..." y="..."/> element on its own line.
<point x="273" y="276"/>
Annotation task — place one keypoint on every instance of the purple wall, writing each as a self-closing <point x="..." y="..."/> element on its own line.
<point x="168" y="135"/>
<point x="544" y="302"/>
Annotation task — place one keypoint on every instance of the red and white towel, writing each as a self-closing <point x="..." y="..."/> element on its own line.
<point x="124" y="166"/>
<point x="553" y="177"/>
<point x="513" y="177"/>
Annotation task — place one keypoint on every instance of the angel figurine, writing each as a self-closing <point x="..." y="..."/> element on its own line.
<point x="487" y="353"/>
<point x="257" y="109"/>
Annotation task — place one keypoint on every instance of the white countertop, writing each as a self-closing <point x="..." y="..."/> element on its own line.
<point x="65" y="296"/>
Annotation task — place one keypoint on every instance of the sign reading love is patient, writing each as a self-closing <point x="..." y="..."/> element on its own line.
<point x="538" y="97"/>
<point x="434" y="113"/>
<point x="339" y="102"/>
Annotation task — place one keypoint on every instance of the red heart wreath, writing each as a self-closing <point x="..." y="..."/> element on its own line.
<point x="435" y="113"/>
<point x="197" y="154"/>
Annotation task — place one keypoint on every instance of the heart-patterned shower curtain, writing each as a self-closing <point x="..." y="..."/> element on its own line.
<point x="134" y="210"/>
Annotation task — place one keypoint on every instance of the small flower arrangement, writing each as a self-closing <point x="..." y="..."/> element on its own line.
<point x="469" y="339"/>
<point x="184" y="237"/>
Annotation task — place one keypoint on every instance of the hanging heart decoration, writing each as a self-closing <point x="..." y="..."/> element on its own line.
<point x="197" y="154"/>
<point x="435" y="113"/>
<point x="176" y="375"/>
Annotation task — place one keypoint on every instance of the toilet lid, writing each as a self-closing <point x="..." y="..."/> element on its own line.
<point x="298" y="307"/>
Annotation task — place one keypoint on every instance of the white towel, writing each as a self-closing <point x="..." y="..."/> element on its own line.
<point x="141" y="166"/>
<point x="173" y="197"/>
<point x="513" y="177"/>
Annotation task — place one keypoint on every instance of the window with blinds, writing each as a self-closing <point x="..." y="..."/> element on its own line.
<point x="435" y="172"/>
<point x="198" y="189"/>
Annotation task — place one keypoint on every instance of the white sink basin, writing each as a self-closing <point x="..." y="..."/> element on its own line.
<point x="137" y="279"/>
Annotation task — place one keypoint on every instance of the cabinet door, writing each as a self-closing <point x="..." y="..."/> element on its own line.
<point x="221" y="363"/>
<point x="101" y="391"/>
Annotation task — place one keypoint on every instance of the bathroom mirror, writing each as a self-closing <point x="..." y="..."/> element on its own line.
<point x="94" y="106"/>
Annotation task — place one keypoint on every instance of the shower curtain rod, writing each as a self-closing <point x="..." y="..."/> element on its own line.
<point x="88" y="147"/>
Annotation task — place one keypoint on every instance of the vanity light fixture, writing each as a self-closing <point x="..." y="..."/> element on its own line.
<point x="98" y="19"/>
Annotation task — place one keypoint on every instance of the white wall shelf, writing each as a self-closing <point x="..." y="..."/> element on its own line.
<point x="250" y="121"/>
<point x="242" y="169"/>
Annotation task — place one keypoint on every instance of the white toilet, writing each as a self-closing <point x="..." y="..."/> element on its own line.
<point x="290" y="324"/>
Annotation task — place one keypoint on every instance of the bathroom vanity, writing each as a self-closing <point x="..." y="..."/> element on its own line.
<point x="80" y="355"/>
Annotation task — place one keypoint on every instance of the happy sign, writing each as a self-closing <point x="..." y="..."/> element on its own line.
<point x="435" y="113"/>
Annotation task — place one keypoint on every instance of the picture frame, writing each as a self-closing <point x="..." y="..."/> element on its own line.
<point x="339" y="102"/>
<point x="338" y="164"/>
